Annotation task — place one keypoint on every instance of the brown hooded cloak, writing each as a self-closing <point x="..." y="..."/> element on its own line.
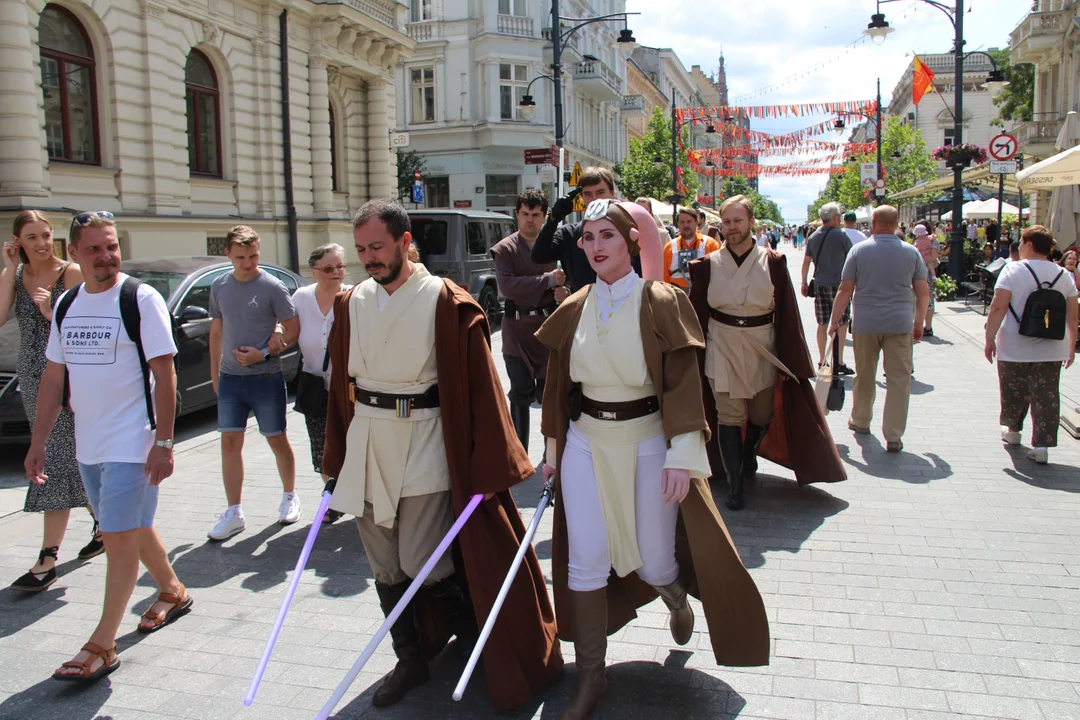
<point x="522" y="656"/>
<point x="708" y="561"/>
<point x="798" y="437"/>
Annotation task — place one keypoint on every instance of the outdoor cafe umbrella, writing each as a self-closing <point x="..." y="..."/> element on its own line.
<point x="988" y="210"/>
<point x="967" y="208"/>
<point x="1065" y="199"/>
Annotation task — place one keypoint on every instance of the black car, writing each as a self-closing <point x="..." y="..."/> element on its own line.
<point x="184" y="282"/>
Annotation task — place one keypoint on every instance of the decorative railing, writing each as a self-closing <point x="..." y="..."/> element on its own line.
<point x="591" y="69"/>
<point x="420" y="31"/>
<point x="381" y="11"/>
<point x="514" y="25"/>
<point x="1042" y="21"/>
<point x="571" y="42"/>
<point x="631" y="103"/>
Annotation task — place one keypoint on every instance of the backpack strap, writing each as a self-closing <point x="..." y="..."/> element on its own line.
<point x="59" y="313"/>
<point x="132" y="319"/>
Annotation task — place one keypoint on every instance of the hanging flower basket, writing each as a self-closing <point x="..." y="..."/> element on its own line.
<point x="960" y="156"/>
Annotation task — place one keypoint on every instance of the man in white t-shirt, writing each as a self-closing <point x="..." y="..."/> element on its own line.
<point x="122" y="459"/>
<point x="850" y="230"/>
<point x="1029" y="368"/>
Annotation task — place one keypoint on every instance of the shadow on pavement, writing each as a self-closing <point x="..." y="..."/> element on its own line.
<point x="904" y="465"/>
<point x="1048" y="477"/>
<point x="19" y="610"/>
<point x="917" y="387"/>
<point x="52" y="700"/>
<point x="779" y="516"/>
<point x="337" y="557"/>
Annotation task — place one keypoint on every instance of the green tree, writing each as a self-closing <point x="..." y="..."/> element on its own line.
<point x="764" y="208"/>
<point x="905" y="163"/>
<point x="830" y="193"/>
<point x="408" y="162"/>
<point x="1017" y="99"/>
<point x="639" y="175"/>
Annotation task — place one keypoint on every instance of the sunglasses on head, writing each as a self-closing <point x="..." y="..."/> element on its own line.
<point x="83" y="219"/>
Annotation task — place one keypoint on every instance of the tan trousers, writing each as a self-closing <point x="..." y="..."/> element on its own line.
<point x="734" y="411"/>
<point x="398" y="554"/>
<point x="895" y="348"/>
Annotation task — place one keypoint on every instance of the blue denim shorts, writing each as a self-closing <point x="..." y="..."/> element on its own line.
<point x="121" y="495"/>
<point x="241" y="395"/>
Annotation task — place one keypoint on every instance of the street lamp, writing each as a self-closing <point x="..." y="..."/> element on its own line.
<point x="528" y="106"/>
<point x="877" y="30"/>
<point x="839" y="127"/>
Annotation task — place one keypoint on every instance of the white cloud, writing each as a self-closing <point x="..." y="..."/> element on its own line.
<point x="766" y="42"/>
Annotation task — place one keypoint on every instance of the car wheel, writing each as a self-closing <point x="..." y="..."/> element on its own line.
<point x="489" y="301"/>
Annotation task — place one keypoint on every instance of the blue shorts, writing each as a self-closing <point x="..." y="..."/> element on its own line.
<point x="241" y="395"/>
<point x="121" y="495"/>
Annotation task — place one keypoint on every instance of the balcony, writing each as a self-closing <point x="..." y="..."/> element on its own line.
<point x="597" y="79"/>
<point x="379" y="9"/>
<point x="1039" y="34"/>
<point x="633" y="106"/>
<point x="516" y="26"/>
<point x="1038" y="136"/>
<point x="423" y="31"/>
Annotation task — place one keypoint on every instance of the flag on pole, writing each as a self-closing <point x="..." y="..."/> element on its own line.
<point x="922" y="80"/>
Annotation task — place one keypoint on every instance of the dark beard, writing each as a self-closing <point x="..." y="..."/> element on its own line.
<point x="393" y="270"/>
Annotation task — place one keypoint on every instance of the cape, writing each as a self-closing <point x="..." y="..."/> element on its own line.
<point x="708" y="561"/>
<point x="522" y="656"/>
<point x="798" y="437"/>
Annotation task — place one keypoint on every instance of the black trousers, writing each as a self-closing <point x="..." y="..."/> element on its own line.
<point x="523" y="388"/>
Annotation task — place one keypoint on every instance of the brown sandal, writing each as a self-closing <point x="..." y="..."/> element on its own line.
<point x="109" y="662"/>
<point x="181" y="605"/>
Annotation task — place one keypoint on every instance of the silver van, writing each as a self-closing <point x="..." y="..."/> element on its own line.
<point x="456" y="244"/>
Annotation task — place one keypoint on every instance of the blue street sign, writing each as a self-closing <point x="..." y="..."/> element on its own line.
<point x="418" y="193"/>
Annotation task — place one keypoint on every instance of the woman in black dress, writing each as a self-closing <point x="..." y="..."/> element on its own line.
<point x="33" y="287"/>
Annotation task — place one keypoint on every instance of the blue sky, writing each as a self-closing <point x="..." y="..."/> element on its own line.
<point x="765" y="42"/>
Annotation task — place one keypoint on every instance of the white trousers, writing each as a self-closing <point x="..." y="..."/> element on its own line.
<point x="590" y="562"/>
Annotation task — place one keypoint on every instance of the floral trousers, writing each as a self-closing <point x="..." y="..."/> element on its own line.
<point x="1033" y="384"/>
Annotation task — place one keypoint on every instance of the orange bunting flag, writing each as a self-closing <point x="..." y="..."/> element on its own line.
<point x="922" y="80"/>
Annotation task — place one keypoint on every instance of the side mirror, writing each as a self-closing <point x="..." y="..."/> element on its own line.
<point x="193" y="313"/>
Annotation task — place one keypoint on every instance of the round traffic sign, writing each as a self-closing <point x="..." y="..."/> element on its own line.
<point x="416" y="174"/>
<point x="880" y="183"/>
<point x="1003" y="146"/>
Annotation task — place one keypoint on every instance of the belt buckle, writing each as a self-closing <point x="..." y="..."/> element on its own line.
<point x="605" y="415"/>
<point x="741" y="322"/>
<point x="404" y="408"/>
<point x="352" y="393"/>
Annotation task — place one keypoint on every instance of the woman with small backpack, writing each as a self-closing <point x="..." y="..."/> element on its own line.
<point x="1032" y="329"/>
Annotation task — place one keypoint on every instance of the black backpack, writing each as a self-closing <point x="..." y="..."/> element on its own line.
<point x="132" y="319"/>
<point x="1044" y="311"/>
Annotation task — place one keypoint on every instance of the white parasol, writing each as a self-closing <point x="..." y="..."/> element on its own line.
<point x="1065" y="199"/>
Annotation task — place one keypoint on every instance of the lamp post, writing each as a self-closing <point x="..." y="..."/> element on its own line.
<point x="839" y="127"/>
<point x="558" y="37"/>
<point x="877" y="29"/>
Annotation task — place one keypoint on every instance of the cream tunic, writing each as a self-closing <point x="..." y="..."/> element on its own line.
<point x="741" y="361"/>
<point x="392" y="350"/>
<point x="608" y="359"/>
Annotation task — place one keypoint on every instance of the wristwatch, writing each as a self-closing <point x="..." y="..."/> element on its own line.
<point x="167" y="444"/>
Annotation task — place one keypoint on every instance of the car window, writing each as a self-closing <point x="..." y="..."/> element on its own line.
<point x="198" y="295"/>
<point x="165" y="283"/>
<point x="285" y="278"/>
<point x="495" y="233"/>
<point x="429" y="236"/>
<point x="476" y="238"/>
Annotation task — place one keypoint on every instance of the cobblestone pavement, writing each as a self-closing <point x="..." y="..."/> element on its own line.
<point x="942" y="582"/>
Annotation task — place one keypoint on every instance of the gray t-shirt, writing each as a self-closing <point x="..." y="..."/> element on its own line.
<point x="883" y="269"/>
<point x="249" y="312"/>
<point x="828" y="254"/>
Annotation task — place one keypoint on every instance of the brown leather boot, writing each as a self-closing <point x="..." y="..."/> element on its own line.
<point x="682" y="615"/>
<point x="590" y="647"/>
<point x="411" y="669"/>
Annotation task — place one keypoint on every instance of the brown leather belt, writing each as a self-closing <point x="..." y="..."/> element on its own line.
<point x="534" y="312"/>
<point x="402" y="404"/>
<point x="620" y="411"/>
<point x="747" y="321"/>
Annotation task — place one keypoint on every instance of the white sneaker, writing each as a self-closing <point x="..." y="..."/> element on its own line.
<point x="1039" y="455"/>
<point x="1009" y="437"/>
<point x="289" y="511"/>
<point x="231" y="522"/>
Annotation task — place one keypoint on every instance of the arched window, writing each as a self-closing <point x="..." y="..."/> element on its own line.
<point x="68" y="85"/>
<point x="203" y="116"/>
<point x="333" y="150"/>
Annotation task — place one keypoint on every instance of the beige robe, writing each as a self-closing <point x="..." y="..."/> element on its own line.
<point x="392" y="350"/>
<point x="608" y="359"/>
<point x="741" y="361"/>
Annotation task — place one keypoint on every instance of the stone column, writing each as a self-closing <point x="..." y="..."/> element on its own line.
<point x="321" y="161"/>
<point x="380" y="177"/>
<point x="20" y="103"/>
<point x="161" y="125"/>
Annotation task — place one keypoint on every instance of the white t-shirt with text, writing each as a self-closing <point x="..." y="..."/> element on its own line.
<point x="1011" y="345"/>
<point x="107" y="395"/>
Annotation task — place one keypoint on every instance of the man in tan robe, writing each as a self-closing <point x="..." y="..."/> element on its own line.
<point x="756" y="360"/>
<point x="407" y="349"/>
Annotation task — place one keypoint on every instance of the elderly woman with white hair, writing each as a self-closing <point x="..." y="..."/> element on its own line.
<point x="315" y="310"/>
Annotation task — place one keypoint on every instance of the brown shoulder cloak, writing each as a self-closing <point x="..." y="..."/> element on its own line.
<point x="708" y="561"/>
<point x="522" y="655"/>
<point x="798" y="437"/>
